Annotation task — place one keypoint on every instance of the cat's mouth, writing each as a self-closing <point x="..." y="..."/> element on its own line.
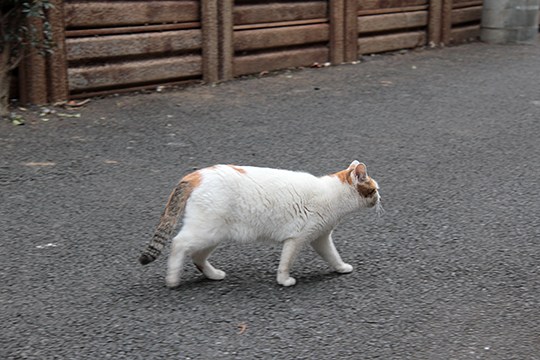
<point x="375" y="200"/>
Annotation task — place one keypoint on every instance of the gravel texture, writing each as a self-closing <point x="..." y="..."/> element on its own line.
<point x="451" y="271"/>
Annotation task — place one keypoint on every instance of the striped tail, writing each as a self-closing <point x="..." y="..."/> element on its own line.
<point x="173" y="210"/>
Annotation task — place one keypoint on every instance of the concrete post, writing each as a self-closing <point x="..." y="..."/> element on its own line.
<point x="510" y="21"/>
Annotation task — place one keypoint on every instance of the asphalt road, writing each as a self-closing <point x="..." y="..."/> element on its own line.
<point x="451" y="271"/>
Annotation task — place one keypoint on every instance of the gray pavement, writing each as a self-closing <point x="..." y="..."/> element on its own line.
<point x="451" y="271"/>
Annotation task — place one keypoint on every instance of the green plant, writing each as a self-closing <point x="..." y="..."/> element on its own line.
<point x="23" y="25"/>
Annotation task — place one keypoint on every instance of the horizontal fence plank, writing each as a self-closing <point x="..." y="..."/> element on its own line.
<point x="382" y="43"/>
<point x="280" y="37"/>
<point x="252" y="64"/>
<point x="393" y="10"/>
<point x="377" y="23"/>
<point x="280" y="24"/>
<point x="464" y="34"/>
<point x="274" y="12"/>
<point x="388" y="4"/>
<point x="465" y="15"/>
<point x="132" y="29"/>
<point x="118" y="13"/>
<point x="133" y="72"/>
<point x="84" y="94"/>
<point x="466" y="3"/>
<point x="133" y="44"/>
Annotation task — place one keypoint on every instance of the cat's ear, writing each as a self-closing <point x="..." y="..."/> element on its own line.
<point x="359" y="174"/>
<point x="353" y="164"/>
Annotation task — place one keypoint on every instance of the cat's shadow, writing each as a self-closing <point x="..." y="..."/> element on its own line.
<point x="236" y="285"/>
<point x="242" y="282"/>
<point x="255" y="282"/>
<point x="319" y="277"/>
<point x="260" y="284"/>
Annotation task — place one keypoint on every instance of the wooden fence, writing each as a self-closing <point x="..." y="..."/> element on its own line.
<point x="107" y="46"/>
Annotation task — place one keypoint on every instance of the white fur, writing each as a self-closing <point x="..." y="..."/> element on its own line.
<point x="261" y="204"/>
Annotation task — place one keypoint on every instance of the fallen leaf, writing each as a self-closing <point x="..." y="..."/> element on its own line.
<point x="17" y="120"/>
<point x="44" y="163"/>
<point x="242" y="327"/>
<point x="45" y="111"/>
<point x="73" y="103"/>
<point x="70" y="115"/>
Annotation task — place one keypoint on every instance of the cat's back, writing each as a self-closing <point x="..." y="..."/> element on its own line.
<point x="252" y="176"/>
<point x="249" y="186"/>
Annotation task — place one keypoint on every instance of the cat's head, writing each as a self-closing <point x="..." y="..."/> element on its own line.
<point x="367" y="188"/>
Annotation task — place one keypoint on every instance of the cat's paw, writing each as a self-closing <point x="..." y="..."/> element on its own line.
<point x="344" y="268"/>
<point x="215" y="274"/>
<point x="172" y="281"/>
<point x="289" y="281"/>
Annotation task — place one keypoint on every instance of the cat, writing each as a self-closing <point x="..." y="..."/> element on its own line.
<point x="244" y="203"/>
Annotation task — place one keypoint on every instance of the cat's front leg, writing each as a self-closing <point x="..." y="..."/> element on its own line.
<point x="291" y="247"/>
<point x="324" y="246"/>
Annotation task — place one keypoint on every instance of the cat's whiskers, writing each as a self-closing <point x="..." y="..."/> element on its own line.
<point x="379" y="209"/>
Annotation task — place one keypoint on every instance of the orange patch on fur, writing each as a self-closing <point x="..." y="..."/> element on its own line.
<point x="367" y="188"/>
<point x="344" y="176"/>
<point x="193" y="179"/>
<point x="239" y="169"/>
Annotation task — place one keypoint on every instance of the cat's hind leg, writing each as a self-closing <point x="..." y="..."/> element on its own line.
<point x="176" y="259"/>
<point x="200" y="260"/>
<point x="197" y="245"/>
<point x="324" y="246"/>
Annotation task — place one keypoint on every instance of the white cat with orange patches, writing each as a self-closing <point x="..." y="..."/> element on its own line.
<point x="247" y="204"/>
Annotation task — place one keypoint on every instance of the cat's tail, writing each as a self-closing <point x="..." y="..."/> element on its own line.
<point x="173" y="210"/>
